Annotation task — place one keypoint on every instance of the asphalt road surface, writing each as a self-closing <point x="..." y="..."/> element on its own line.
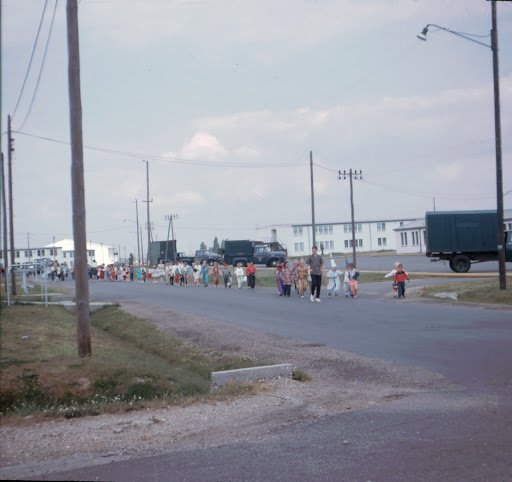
<point x="463" y="435"/>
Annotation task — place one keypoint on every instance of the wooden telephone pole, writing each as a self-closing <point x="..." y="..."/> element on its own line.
<point x="10" y="150"/>
<point x="77" y="184"/>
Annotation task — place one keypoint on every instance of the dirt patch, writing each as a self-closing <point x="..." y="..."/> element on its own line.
<point x="340" y="382"/>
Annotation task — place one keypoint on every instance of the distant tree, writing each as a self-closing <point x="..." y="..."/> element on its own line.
<point x="202" y="245"/>
<point x="131" y="259"/>
<point x="215" y="247"/>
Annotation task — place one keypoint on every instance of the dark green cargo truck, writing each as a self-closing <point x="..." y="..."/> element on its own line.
<point x="244" y="250"/>
<point x="464" y="237"/>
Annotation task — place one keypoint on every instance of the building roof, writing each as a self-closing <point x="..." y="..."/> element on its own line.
<point x="69" y="245"/>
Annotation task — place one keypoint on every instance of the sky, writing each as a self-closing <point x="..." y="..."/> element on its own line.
<point x="226" y="99"/>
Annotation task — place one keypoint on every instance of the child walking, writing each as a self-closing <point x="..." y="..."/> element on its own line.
<point x="352" y="276"/>
<point x="239" y="273"/>
<point x="400" y="277"/>
<point x="286" y="279"/>
<point x="333" y="280"/>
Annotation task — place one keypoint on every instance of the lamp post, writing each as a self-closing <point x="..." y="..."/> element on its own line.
<point x="497" y="130"/>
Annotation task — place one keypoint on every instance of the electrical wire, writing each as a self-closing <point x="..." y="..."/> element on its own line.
<point x="176" y="160"/>
<point x="36" y="89"/>
<point x="31" y="59"/>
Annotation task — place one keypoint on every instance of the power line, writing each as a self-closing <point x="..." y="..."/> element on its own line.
<point x="31" y="59"/>
<point x="36" y="89"/>
<point x="175" y="160"/>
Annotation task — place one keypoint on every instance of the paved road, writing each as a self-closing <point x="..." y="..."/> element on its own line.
<point x="464" y="435"/>
<point x="471" y="345"/>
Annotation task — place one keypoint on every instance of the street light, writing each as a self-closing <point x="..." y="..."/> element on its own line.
<point x="497" y="127"/>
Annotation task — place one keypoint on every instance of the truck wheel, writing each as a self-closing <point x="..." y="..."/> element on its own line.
<point x="460" y="263"/>
<point x="272" y="263"/>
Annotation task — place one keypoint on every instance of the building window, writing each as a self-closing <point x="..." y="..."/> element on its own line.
<point x="359" y="227"/>
<point x="299" y="247"/>
<point x="403" y="238"/>
<point x="382" y="242"/>
<point x="347" y="228"/>
<point x="16" y="254"/>
<point x="346" y="243"/>
<point x="415" y="238"/>
<point x="360" y="243"/>
<point x="64" y="254"/>
<point x="297" y="230"/>
<point x="331" y="229"/>
<point x="381" y="226"/>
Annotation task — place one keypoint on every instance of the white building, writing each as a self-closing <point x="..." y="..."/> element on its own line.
<point x="411" y="237"/>
<point x="373" y="235"/>
<point x="63" y="251"/>
<point x="405" y="235"/>
<point x="96" y="253"/>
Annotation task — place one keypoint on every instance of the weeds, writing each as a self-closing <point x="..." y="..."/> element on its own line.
<point x="133" y="364"/>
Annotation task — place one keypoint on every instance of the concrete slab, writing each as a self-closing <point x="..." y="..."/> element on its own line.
<point x="218" y="379"/>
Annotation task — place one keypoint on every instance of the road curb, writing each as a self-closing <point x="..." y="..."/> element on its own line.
<point x="219" y="379"/>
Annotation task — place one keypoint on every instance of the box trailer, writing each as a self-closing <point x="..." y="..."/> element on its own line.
<point x="464" y="237"/>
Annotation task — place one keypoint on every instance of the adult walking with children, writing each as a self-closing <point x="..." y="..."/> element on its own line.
<point x="315" y="264"/>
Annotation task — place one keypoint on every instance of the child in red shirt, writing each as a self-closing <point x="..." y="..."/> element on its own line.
<point x="400" y="277"/>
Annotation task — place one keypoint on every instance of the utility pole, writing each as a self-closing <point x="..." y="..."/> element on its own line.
<point x="28" y="248"/>
<point x="137" y="220"/>
<point x="313" y="225"/>
<point x="356" y="175"/>
<point x="4" y="233"/>
<point x="77" y="183"/>
<point x="10" y="150"/>
<point x="169" y="218"/>
<point x="149" y="260"/>
<point x="497" y="135"/>
<point x="141" y="243"/>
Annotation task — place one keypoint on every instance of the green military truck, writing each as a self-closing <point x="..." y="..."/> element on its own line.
<point x="245" y="250"/>
<point x="464" y="237"/>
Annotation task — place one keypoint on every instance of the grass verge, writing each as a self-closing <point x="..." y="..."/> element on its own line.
<point x="133" y="364"/>
<point x="486" y="292"/>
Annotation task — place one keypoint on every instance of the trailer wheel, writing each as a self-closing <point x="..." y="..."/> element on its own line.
<point x="460" y="263"/>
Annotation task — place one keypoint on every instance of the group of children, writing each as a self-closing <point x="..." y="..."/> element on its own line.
<point x="299" y="277"/>
<point x="199" y="273"/>
<point x="337" y="280"/>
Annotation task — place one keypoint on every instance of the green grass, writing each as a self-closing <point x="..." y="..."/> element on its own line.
<point x="133" y="364"/>
<point x="265" y="277"/>
<point x="473" y="291"/>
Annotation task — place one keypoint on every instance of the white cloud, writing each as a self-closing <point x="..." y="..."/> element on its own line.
<point x="201" y="146"/>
